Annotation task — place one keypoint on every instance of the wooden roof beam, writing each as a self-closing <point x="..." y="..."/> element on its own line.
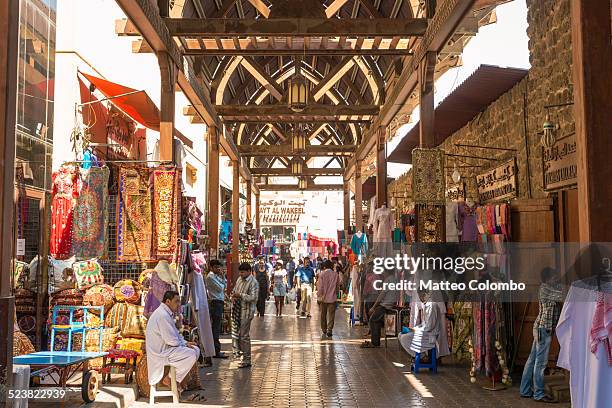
<point x="310" y="110"/>
<point x="334" y="7"/>
<point x="310" y="172"/>
<point x="332" y="78"/>
<point x="262" y="76"/>
<point x="291" y="187"/>
<point x="261" y="7"/>
<point x="296" y="27"/>
<point x="286" y="150"/>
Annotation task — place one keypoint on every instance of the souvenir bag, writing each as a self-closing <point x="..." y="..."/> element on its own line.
<point x="127" y="290"/>
<point x="99" y="295"/>
<point x="88" y="273"/>
<point x="135" y="324"/>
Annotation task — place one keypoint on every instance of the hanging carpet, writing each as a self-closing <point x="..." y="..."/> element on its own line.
<point x="166" y="184"/>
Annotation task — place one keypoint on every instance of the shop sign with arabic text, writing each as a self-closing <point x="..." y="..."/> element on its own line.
<point x="498" y="183"/>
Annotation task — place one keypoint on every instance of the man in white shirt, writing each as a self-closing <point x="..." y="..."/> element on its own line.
<point x="165" y="345"/>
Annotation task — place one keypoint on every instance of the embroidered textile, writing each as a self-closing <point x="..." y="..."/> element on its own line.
<point x="90" y="214"/>
<point x="429" y="183"/>
<point x="166" y="184"/>
<point x="430" y="224"/>
<point x="66" y="187"/>
<point x="134" y="223"/>
<point x="88" y="273"/>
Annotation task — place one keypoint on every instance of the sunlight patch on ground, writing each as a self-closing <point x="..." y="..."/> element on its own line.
<point x="418" y="385"/>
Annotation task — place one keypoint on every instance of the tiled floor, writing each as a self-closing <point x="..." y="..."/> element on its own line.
<point x="293" y="367"/>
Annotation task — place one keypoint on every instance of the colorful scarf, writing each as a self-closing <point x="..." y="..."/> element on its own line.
<point x="90" y="214"/>
<point x="66" y="188"/>
<point x="166" y="184"/>
<point x="236" y="309"/>
<point x="134" y="225"/>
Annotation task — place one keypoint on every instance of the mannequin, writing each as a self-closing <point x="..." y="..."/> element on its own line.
<point x="359" y="244"/>
<point x="383" y="230"/>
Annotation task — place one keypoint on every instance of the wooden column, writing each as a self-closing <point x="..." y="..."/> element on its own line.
<point x="168" y="73"/>
<point x="592" y="56"/>
<point x="359" y="196"/>
<point x="427" y="137"/>
<point x="257" y="212"/>
<point x="249" y="196"/>
<point x="235" y="218"/>
<point x="212" y="225"/>
<point x="9" y="32"/>
<point x="381" y="168"/>
<point x="347" y="206"/>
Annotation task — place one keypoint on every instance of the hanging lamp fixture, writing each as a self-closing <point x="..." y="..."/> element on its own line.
<point x="298" y="89"/>
<point x="298" y="141"/>
<point x="297" y="166"/>
<point x="302" y="184"/>
<point x="456" y="176"/>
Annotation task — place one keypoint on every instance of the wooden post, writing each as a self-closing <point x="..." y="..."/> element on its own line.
<point x="9" y="33"/>
<point x="358" y="197"/>
<point x="347" y="206"/>
<point x="427" y="137"/>
<point x="257" y="212"/>
<point x="168" y="72"/>
<point x="249" y="196"/>
<point x="592" y="56"/>
<point x="235" y="218"/>
<point x="381" y="168"/>
<point x="212" y="226"/>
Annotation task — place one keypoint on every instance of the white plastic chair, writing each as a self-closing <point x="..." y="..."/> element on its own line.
<point x="173" y="392"/>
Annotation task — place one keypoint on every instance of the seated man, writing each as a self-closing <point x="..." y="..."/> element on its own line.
<point x="385" y="301"/>
<point x="165" y="345"/>
<point x="428" y="331"/>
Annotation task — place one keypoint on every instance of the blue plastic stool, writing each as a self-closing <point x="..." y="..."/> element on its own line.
<point x="433" y="365"/>
<point x="352" y="316"/>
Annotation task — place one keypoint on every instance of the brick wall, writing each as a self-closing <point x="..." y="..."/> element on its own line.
<point x="515" y="120"/>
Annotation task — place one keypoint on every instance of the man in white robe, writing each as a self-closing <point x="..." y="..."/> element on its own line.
<point x="430" y="332"/>
<point x="165" y="345"/>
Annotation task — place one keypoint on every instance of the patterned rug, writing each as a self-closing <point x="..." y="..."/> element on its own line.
<point x="166" y="192"/>
<point x="134" y="223"/>
<point x="90" y="214"/>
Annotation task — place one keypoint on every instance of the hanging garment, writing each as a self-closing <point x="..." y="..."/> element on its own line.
<point x="66" y="188"/>
<point x="383" y="224"/>
<point x="134" y="215"/>
<point x="90" y="214"/>
<point x="452" y="227"/>
<point x="359" y="244"/>
<point x="467" y="222"/>
<point x="356" y="291"/>
<point x="166" y="199"/>
<point x="486" y="317"/>
<point x="601" y="329"/>
<point x="590" y="372"/>
<point x="373" y="205"/>
<point x="199" y="300"/>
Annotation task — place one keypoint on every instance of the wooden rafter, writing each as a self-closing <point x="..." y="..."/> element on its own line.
<point x="263" y="77"/>
<point x="285" y="150"/>
<point x="310" y="172"/>
<point x="291" y="187"/>
<point x="296" y="27"/>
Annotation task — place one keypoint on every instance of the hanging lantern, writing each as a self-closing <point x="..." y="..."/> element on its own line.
<point x="297" y="166"/>
<point x="298" y="142"/>
<point x="456" y="176"/>
<point x="302" y="184"/>
<point x="297" y="96"/>
<point x="548" y="137"/>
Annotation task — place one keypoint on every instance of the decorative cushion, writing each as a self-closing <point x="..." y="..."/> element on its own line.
<point x="127" y="290"/>
<point x="88" y="273"/>
<point x="21" y="344"/>
<point x="61" y="274"/>
<point x="27" y="323"/>
<point x="68" y="293"/>
<point x="21" y="272"/>
<point x="130" y="344"/>
<point x="93" y="320"/>
<point x="145" y="278"/>
<point x="116" y="316"/>
<point x="135" y="322"/>
<point x="99" y="295"/>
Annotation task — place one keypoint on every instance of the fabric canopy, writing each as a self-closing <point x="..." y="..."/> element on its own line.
<point x="134" y="103"/>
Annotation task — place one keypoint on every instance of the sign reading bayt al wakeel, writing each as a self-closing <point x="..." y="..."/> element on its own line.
<point x="498" y="183"/>
<point x="559" y="162"/>
<point x="281" y="212"/>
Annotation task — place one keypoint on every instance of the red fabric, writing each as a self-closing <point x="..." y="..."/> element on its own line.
<point x="66" y="187"/>
<point x="95" y="115"/>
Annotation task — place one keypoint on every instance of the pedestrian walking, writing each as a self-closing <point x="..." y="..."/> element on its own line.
<point x="327" y="289"/>
<point x="279" y="287"/>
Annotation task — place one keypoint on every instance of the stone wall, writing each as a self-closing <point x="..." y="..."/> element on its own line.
<point x="515" y="120"/>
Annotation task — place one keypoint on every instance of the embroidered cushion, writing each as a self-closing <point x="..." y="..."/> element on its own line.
<point x="99" y="295"/>
<point x="127" y="290"/>
<point x="116" y="316"/>
<point x="61" y="275"/>
<point x="135" y="322"/>
<point x="88" y="273"/>
<point x="21" y="344"/>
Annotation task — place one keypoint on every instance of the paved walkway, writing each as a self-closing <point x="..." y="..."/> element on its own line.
<point x="293" y="367"/>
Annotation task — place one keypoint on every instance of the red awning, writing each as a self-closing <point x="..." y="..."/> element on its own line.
<point x="134" y="103"/>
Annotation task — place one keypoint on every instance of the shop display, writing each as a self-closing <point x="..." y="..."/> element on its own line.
<point x="467" y="222"/>
<point x="430" y="223"/>
<point x="134" y="213"/>
<point x="135" y="323"/>
<point x="429" y="181"/>
<point x="359" y="244"/>
<point x="99" y="295"/>
<point x="166" y="194"/>
<point x="90" y="214"/>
